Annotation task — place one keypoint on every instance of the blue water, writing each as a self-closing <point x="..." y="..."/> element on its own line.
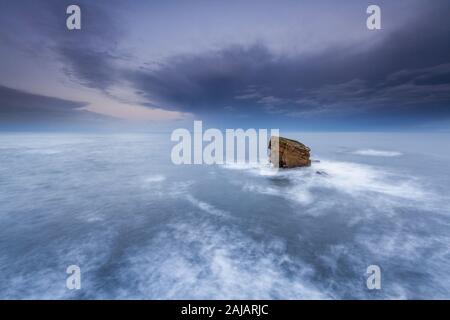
<point x="140" y="227"/>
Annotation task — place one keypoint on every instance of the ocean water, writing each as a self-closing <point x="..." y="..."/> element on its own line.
<point x="140" y="227"/>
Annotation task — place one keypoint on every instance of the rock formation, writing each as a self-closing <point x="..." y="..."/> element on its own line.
<point x="291" y="153"/>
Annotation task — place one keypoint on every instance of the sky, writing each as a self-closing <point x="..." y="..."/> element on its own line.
<point x="295" y="65"/>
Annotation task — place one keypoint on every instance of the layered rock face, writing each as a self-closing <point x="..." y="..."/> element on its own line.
<point x="291" y="153"/>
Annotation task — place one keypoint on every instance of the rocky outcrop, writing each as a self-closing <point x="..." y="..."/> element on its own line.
<point x="291" y="153"/>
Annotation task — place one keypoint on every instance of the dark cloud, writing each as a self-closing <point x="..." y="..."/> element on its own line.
<point x="408" y="68"/>
<point x="87" y="56"/>
<point x="94" y="69"/>
<point x="38" y="29"/>
<point x="17" y="107"/>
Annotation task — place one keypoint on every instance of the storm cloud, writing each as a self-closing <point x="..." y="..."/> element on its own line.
<point x="409" y="68"/>
<point x="19" y="107"/>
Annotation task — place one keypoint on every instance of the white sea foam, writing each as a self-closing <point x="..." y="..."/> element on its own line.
<point x="358" y="178"/>
<point x="204" y="206"/>
<point x="263" y="169"/>
<point x="155" y="178"/>
<point x="377" y="153"/>
<point x="202" y="261"/>
<point x="43" y="151"/>
<point x="180" y="190"/>
<point x="367" y="182"/>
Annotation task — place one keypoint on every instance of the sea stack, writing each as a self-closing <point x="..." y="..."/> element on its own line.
<point x="291" y="153"/>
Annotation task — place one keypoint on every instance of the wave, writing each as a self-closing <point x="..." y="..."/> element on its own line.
<point x="377" y="153"/>
<point x="365" y="183"/>
<point x="204" y="261"/>
<point x="263" y="168"/>
<point x="155" y="178"/>
<point x="206" y="207"/>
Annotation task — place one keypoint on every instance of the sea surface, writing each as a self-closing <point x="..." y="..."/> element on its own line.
<point x="140" y="227"/>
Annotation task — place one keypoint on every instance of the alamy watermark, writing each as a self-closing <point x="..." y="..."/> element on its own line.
<point x="215" y="147"/>
<point x="374" y="279"/>
<point x="73" y="281"/>
<point x="373" y="22"/>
